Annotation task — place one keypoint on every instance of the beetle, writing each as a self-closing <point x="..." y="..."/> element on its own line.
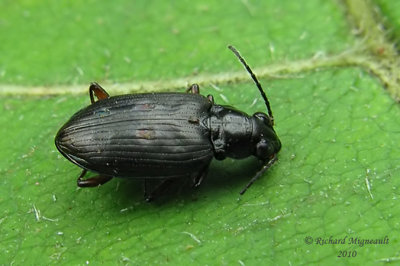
<point x="163" y="136"/>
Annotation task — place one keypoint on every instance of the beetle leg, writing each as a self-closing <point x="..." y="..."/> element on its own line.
<point x="210" y="98"/>
<point x="161" y="187"/>
<point x="100" y="93"/>
<point x="194" y="88"/>
<point x="93" y="181"/>
<point x="146" y="187"/>
<point x="200" y="177"/>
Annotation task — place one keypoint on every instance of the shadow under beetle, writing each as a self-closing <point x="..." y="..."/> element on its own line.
<point x="162" y="136"/>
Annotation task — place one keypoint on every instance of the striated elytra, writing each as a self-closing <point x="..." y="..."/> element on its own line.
<point x="164" y="136"/>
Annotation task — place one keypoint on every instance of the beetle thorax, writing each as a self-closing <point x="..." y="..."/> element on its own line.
<point x="231" y="132"/>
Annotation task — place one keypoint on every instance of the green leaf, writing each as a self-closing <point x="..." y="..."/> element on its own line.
<point x="332" y="84"/>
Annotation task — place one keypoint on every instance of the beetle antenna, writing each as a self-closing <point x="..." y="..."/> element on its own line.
<point x="241" y="59"/>
<point x="259" y="173"/>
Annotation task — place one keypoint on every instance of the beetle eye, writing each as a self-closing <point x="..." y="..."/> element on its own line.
<point x="264" y="118"/>
<point x="264" y="150"/>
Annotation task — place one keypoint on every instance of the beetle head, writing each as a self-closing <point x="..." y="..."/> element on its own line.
<point x="265" y="141"/>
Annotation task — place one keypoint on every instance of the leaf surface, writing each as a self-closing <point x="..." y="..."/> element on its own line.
<point x="337" y="174"/>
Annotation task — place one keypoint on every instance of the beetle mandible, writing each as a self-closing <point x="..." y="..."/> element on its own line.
<point x="162" y="136"/>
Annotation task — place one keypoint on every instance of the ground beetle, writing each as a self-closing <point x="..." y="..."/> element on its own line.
<point x="162" y="136"/>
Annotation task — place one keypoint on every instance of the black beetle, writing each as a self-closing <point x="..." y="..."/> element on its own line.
<point x="162" y="136"/>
